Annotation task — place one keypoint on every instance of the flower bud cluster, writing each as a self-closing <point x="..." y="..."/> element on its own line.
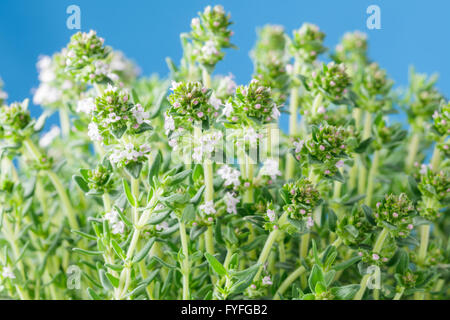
<point x="303" y="198"/>
<point x="375" y="80"/>
<point x="85" y="58"/>
<point x="435" y="187"/>
<point x="442" y="120"/>
<point x="331" y="79"/>
<point x="270" y="61"/>
<point x="353" y="48"/>
<point x="326" y="147"/>
<point x="129" y="154"/>
<point x="14" y="118"/>
<point x="99" y="180"/>
<point x="307" y="43"/>
<point x="113" y="114"/>
<point x="190" y="102"/>
<point x="210" y="34"/>
<point x="252" y="102"/>
<point x="354" y="228"/>
<point x="397" y="211"/>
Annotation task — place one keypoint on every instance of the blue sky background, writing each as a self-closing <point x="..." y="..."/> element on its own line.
<point x="413" y="33"/>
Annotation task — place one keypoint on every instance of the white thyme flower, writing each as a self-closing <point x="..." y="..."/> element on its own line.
<point x="231" y="201"/>
<point x="208" y="208"/>
<point x="140" y="114"/>
<point x="266" y="281"/>
<point x="228" y="109"/>
<point x="118" y="227"/>
<point x="8" y="273"/>
<point x="210" y="48"/>
<point x="298" y="145"/>
<point x="49" y="136"/>
<point x="86" y="105"/>
<point x="197" y="155"/>
<point x="44" y="66"/>
<point x="46" y="94"/>
<point x="162" y="226"/>
<point x="227" y="85"/>
<point x="270" y="168"/>
<point x="271" y="215"/>
<point x="110" y="88"/>
<point x="112" y="216"/>
<point x="230" y="175"/>
<point x="251" y="135"/>
<point x="310" y="223"/>
<point x="340" y="164"/>
<point x="175" y="85"/>
<point x="215" y="102"/>
<point x="128" y="153"/>
<point x="169" y="124"/>
<point x="93" y="132"/>
<point x="275" y="112"/>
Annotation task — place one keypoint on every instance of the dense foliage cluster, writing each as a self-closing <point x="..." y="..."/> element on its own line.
<point x="185" y="187"/>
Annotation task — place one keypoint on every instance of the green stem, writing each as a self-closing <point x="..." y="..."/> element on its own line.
<point x="412" y="151"/>
<point x="290" y="164"/>
<point x="424" y="238"/>
<point x="376" y="249"/>
<point x="399" y="294"/>
<point x="64" y="121"/>
<point x="186" y="266"/>
<point x="273" y="236"/>
<point x="371" y="180"/>
<point x="435" y="159"/>
<point x="362" y="172"/>
<point x="288" y="281"/>
<point x="56" y="183"/>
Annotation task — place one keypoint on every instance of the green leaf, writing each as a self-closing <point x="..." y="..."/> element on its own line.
<point x="216" y="265"/>
<point x="144" y="251"/>
<point x="118" y="132"/>
<point x="84" y="235"/>
<point x="179" y="177"/>
<point x="315" y="277"/>
<point x="332" y="220"/>
<point x="154" y="169"/>
<point x="81" y="183"/>
<point x="363" y="145"/>
<point x="128" y="193"/>
<point x="113" y="280"/>
<point x="198" y="196"/>
<point x="345" y="264"/>
<point x="93" y="295"/>
<point x="244" y="278"/>
<point x="345" y="292"/>
<point x="87" y="252"/>
<point x="188" y="213"/>
<point x="369" y="214"/>
<point x="135" y="96"/>
<point x="118" y="250"/>
<point x="107" y="285"/>
<point x="158" y="217"/>
<point x="403" y="262"/>
<point x="134" y="169"/>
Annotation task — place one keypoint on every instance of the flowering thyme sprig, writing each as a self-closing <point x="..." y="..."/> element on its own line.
<point x="302" y="197"/>
<point x="210" y="34"/>
<point x="307" y="43"/>
<point x="85" y="58"/>
<point x="395" y="213"/>
<point x="252" y="103"/>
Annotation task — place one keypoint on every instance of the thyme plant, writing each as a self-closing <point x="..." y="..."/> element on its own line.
<point x="185" y="187"/>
